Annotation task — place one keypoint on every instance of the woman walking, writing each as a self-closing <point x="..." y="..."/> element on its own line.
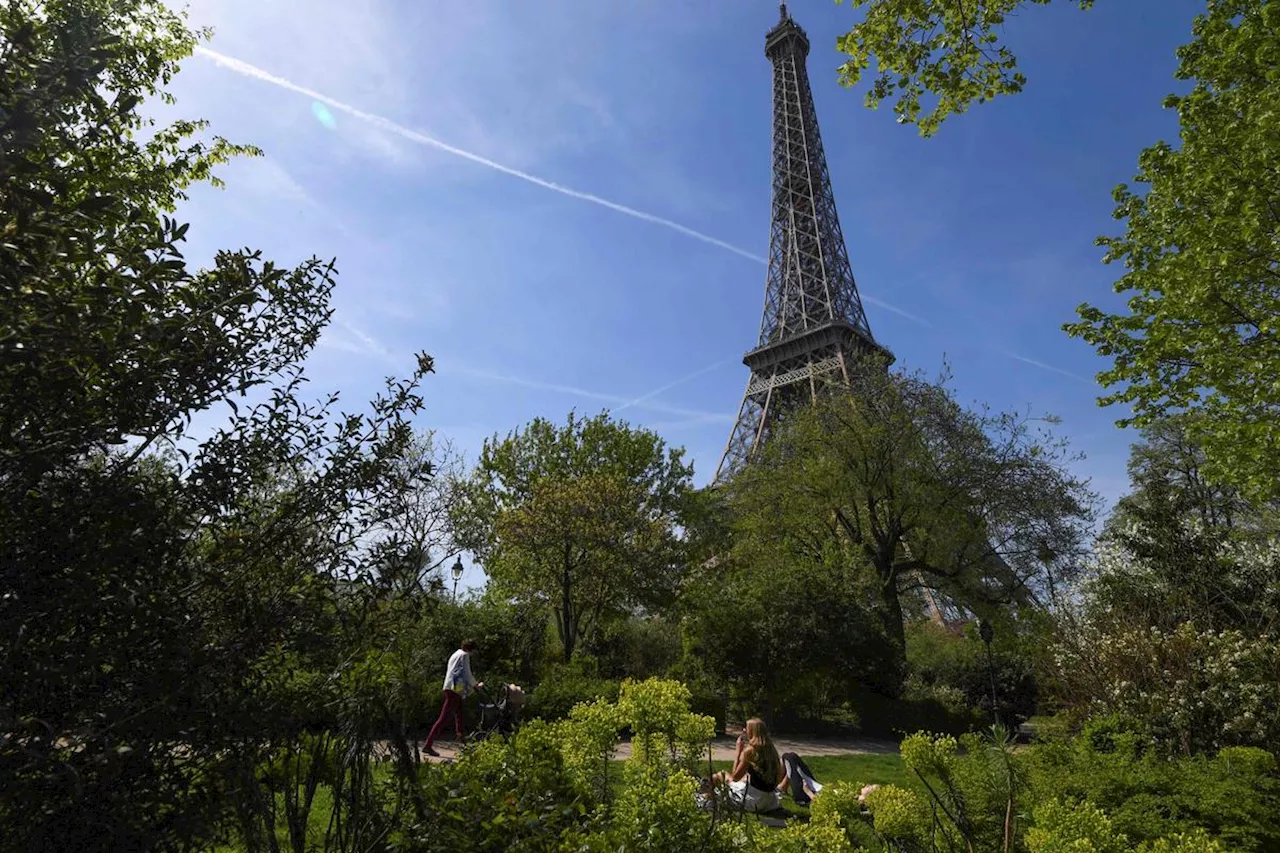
<point x="458" y="682"/>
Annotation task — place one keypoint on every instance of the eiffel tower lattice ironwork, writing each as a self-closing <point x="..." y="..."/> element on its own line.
<point x="814" y="324"/>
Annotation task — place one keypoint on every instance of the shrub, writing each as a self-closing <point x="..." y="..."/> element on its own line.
<point x="588" y="739"/>
<point x="1196" y="841"/>
<point x="917" y="710"/>
<point x="1073" y="828"/>
<point x="1235" y="796"/>
<point x="500" y="795"/>
<point x="1196" y="690"/>
<point x="566" y="685"/>
<point x="951" y="669"/>
<point x="898" y="814"/>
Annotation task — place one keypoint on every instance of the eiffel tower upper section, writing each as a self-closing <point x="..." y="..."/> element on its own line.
<point x="814" y="323"/>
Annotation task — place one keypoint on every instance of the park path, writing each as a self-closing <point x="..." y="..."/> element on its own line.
<point x="724" y="748"/>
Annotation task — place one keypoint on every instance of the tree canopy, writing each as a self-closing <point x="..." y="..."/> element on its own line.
<point x="1202" y="272"/>
<point x="583" y="517"/>
<point x="899" y="479"/>
<point x="951" y="50"/>
<point x="1201" y="252"/>
<point x="158" y="588"/>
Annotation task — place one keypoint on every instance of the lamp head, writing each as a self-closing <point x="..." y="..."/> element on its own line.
<point x="456" y="571"/>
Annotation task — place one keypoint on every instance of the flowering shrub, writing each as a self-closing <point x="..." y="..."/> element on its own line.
<point x="802" y="838"/>
<point x="1196" y="690"/>
<point x="658" y="811"/>
<point x="840" y="805"/>
<point x="588" y="740"/>
<point x="662" y="727"/>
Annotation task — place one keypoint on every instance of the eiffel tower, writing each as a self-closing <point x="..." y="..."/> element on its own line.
<point x="814" y="325"/>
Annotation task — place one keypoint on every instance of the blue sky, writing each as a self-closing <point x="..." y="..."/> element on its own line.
<point x="975" y="245"/>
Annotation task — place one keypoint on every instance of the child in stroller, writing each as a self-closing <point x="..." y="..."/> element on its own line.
<point x="501" y="715"/>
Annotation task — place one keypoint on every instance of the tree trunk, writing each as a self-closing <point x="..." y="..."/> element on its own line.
<point x="895" y="631"/>
<point x="568" y="624"/>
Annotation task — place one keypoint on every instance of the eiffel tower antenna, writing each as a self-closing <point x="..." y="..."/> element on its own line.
<point x="814" y="325"/>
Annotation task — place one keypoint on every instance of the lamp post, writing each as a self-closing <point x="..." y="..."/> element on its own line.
<point x="456" y="571"/>
<point x="986" y="632"/>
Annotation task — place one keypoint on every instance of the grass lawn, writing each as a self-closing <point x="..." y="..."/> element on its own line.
<point x="861" y="769"/>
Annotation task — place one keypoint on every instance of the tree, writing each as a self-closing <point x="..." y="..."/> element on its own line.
<point x="422" y="521"/>
<point x="1201" y="338"/>
<point x="1180" y="548"/>
<point x="898" y="481"/>
<point x="815" y="618"/>
<point x="1168" y="461"/>
<point x="951" y="50"/>
<point x="157" y="591"/>
<point x="1202" y="272"/>
<point x="584" y="518"/>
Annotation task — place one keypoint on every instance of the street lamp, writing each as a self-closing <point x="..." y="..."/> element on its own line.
<point x="456" y="571"/>
<point x="986" y="632"/>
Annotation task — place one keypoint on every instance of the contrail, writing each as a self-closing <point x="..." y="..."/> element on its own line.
<point x="1043" y="366"/>
<point x="880" y="303"/>
<point x="645" y="397"/>
<point x="590" y="395"/>
<point x="243" y="68"/>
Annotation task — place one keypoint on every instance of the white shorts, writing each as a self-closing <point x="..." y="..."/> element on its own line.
<point x="753" y="799"/>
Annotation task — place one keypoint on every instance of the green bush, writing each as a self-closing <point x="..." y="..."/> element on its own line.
<point x="950" y="670"/>
<point x="636" y="647"/>
<point x="709" y="703"/>
<point x="1234" y="796"/>
<point x="566" y="685"/>
<point x="887" y="716"/>
<point x="1105" y="791"/>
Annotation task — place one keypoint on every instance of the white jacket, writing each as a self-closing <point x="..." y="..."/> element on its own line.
<point x="457" y="675"/>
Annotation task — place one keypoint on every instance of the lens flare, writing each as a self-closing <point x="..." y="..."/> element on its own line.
<point x="322" y="114"/>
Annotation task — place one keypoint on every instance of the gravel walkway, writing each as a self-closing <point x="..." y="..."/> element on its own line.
<point x="724" y="748"/>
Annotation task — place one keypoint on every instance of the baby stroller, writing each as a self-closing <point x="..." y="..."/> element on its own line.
<point x="501" y="715"/>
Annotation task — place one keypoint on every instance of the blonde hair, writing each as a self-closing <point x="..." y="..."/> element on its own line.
<point x="766" y="757"/>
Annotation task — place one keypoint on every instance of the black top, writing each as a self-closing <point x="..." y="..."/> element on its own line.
<point x="755" y="780"/>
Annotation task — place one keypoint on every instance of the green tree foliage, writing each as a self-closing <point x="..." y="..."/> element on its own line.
<point x="1175" y="623"/>
<point x="952" y="670"/>
<point x="583" y="518"/>
<point x="897" y="485"/>
<point x="823" y="638"/>
<point x="162" y="599"/>
<point x="1180" y="548"/>
<point x="1200" y="337"/>
<point x="946" y="48"/>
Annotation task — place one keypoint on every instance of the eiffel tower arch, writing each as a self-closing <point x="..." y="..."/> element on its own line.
<point x="814" y="326"/>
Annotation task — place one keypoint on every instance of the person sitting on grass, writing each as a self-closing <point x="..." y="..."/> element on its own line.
<point x="458" y="682"/>
<point x="757" y="770"/>
<point x="798" y="779"/>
